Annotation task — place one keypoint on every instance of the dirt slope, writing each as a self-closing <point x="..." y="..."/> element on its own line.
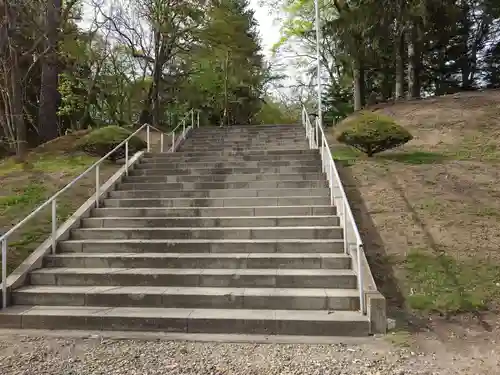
<point x="430" y="211"/>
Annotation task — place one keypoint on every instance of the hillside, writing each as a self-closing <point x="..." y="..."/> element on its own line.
<point x="429" y="210"/>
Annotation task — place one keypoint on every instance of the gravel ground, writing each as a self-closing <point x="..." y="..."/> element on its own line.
<point x="95" y="355"/>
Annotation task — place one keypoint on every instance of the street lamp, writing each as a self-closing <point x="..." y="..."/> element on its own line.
<point x="318" y="62"/>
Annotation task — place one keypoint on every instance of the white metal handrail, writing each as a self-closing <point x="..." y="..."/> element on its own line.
<point x="185" y="130"/>
<point x="338" y="198"/>
<point x="53" y="200"/>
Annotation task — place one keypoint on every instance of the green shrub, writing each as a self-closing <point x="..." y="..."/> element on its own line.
<point x="372" y="133"/>
<point x="101" y="141"/>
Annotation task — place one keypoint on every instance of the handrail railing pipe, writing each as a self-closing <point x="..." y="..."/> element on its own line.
<point x="185" y="128"/>
<point x="52" y="201"/>
<point x="338" y="198"/>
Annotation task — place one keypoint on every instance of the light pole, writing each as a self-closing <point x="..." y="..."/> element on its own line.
<point x="318" y="62"/>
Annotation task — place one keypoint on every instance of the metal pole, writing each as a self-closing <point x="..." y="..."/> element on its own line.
<point x="4" y="273"/>
<point x="97" y="183"/>
<point x="161" y="142"/>
<point x="126" y="158"/>
<point x="54" y="225"/>
<point x="362" y="302"/>
<point x="318" y="61"/>
<point x="148" y="138"/>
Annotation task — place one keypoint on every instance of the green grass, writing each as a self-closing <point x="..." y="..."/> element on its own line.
<point x="438" y="283"/>
<point x="482" y="147"/>
<point x="22" y="198"/>
<point x="346" y="155"/>
<point x="49" y="164"/>
<point x="65" y="163"/>
<point x="413" y="157"/>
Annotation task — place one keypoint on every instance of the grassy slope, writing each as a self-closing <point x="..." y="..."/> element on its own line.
<point x="429" y="211"/>
<point x="24" y="186"/>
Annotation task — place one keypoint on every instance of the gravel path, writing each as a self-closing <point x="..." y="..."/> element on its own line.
<point x="95" y="355"/>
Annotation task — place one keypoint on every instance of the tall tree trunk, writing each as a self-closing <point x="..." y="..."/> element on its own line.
<point x="359" y="84"/>
<point x="414" y="61"/>
<point x="15" y="88"/>
<point x="225" y="117"/>
<point x="400" y="68"/>
<point x="49" y="94"/>
<point x="464" y="61"/>
<point x="17" y="107"/>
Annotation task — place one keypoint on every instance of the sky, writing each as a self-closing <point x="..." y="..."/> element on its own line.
<point x="268" y="29"/>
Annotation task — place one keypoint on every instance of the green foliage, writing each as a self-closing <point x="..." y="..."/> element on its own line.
<point x="439" y="283"/>
<point x="272" y="112"/>
<point x="228" y="69"/>
<point x="372" y="133"/>
<point x="30" y="195"/>
<point x="415" y="157"/>
<point x="101" y="141"/>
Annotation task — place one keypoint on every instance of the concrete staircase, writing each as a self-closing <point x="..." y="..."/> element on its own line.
<point x="232" y="234"/>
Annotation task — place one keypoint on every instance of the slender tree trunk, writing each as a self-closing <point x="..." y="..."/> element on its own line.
<point x="359" y="84"/>
<point x="400" y="68"/>
<point x="414" y="61"/>
<point x="14" y="89"/>
<point x="17" y="107"/>
<point x="49" y="94"/>
<point x="464" y="60"/>
<point x="225" y="117"/>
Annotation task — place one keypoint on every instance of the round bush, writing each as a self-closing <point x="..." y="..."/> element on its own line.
<point x="372" y="133"/>
<point x="101" y="141"/>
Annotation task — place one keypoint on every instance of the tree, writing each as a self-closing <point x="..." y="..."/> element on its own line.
<point x="384" y="49"/>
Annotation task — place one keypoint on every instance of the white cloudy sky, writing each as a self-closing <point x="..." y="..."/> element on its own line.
<point x="269" y="29"/>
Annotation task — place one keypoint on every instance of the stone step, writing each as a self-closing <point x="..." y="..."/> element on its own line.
<point x="222" y="321"/>
<point x="232" y="165"/>
<point x="257" y="130"/>
<point x="209" y="233"/>
<point x="219" y="193"/>
<point x="218" y="202"/>
<point x="246" y="212"/>
<point x="308" y="246"/>
<point x="235" y="278"/>
<point x="224" y="171"/>
<point x="176" y="158"/>
<point x="255" y="144"/>
<point x="240" y="140"/>
<point x="213" y="185"/>
<point x="190" y="297"/>
<point x="229" y="153"/>
<point x="228" y="178"/>
<point x="182" y="157"/>
<point x="201" y="260"/>
<point x="243" y="149"/>
<point x="193" y="222"/>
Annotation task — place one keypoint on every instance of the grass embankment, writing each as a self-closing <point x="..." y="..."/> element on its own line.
<point x="26" y="185"/>
<point x="429" y="211"/>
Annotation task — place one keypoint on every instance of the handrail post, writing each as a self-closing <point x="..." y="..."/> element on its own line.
<point x="317" y="132"/>
<point x="54" y="225"/>
<point x="197" y="119"/>
<point x="362" y="302"/>
<point x="148" y="138"/>
<point x="346" y="240"/>
<point x="4" y="273"/>
<point x="192" y="118"/>
<point x="173" y="142"/>
<point x="183" y="128"/>
<point x="126" y="158"/>
<point x="161" y="142"/>
<point x="97" y="186"/>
